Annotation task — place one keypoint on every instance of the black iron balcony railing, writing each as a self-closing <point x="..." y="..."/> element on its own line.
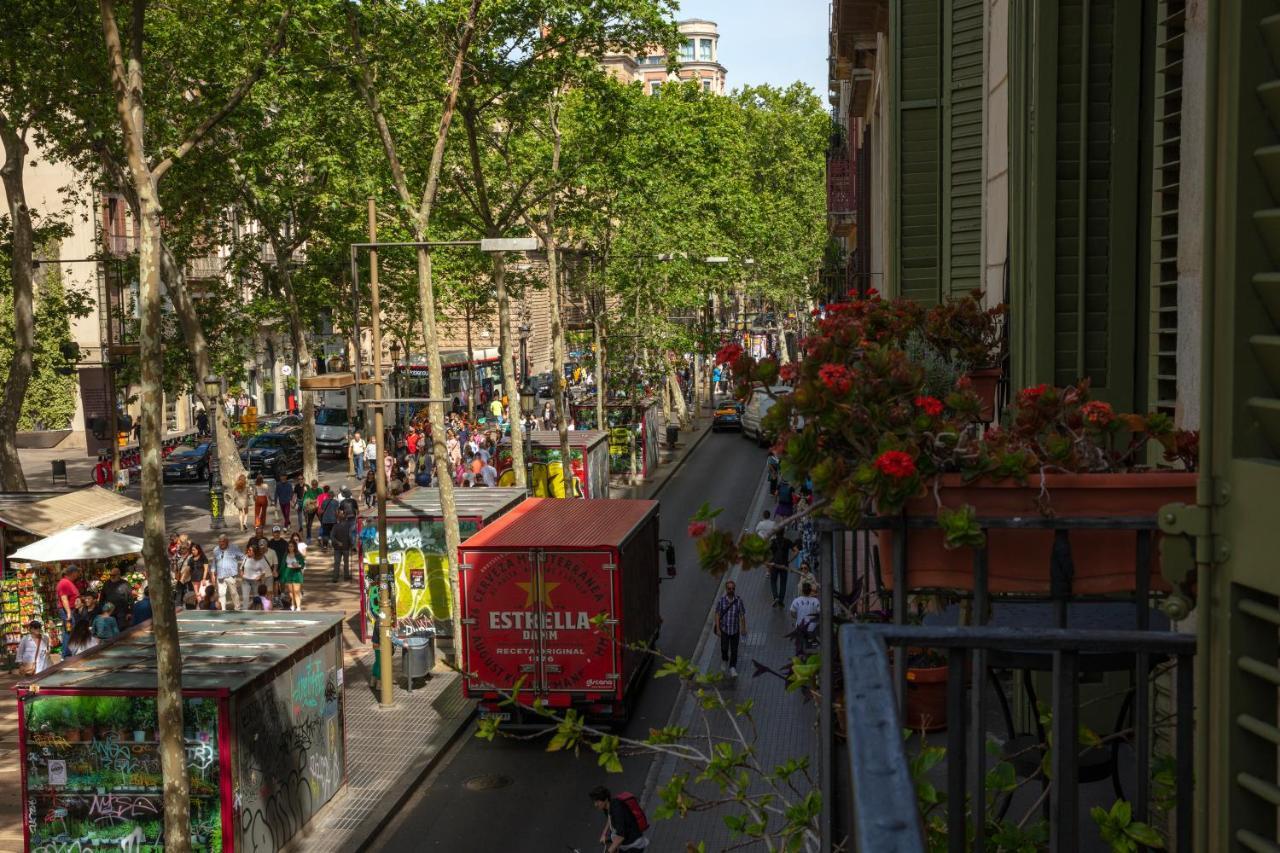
<point x="883" y="800"/>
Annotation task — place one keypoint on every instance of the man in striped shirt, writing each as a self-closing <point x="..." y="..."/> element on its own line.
<point x="730" y="626"/>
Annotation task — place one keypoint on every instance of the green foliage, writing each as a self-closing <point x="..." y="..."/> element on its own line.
<point x="1121" y="832"/>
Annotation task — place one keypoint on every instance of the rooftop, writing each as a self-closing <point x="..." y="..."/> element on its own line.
<point x="543" y="522"/>
<point x="471" y="503"/>
<point x="221" y="650"/>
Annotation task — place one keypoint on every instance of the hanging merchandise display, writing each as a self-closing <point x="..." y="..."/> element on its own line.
<point x="19" y="604"/>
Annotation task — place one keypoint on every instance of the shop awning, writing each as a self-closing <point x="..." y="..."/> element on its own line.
<point x="79" y="543"/>
<point x="92" y="506"/>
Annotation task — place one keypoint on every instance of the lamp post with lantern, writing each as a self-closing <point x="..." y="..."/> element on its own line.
<point x="212" y="391"/>
<point x="395" y="379"/>
<point x="528" y="402"/>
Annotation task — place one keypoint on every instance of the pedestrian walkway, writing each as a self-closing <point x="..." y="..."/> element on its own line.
<point x="388" y="751"/>
<point x="669" y="461"/>
<point x="785" y="723"/>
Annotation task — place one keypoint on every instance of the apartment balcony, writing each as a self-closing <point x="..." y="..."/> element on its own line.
<point x="842" y="183"/>
<point x="206" y="267"/>
<point x="119" y="244"/>
<point x="1023" y="691"/>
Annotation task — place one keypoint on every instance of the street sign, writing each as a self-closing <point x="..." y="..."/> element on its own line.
<point x="510" y="244"/>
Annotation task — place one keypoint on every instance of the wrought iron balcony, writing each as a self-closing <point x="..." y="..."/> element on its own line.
<point x="1057" y="635"/>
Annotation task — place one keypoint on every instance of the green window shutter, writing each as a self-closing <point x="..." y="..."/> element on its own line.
<point x="1074" y="174"/>
<point x="962" y="234"/>
<point x="919" y="51"/>
<point x="939" y="105"/>
<point x="1162" y="347"/>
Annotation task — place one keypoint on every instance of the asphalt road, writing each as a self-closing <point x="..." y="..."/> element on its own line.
<point x="542" y="804"/>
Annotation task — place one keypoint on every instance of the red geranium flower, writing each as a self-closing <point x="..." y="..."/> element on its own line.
<point x="728" y="354"/>
<point x="697" y="528"/>
<point x="788" y="372"/>
<point x="836" y="377"/>
<point x="896" y="464"/>
<point x="1097" y="413"/>
<point x="1030" y="395"/>
<point x="931" y="406"/>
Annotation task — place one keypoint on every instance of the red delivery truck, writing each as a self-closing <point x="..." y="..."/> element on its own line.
<point x="531" y="584"/>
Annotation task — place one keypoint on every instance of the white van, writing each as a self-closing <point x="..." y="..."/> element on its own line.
<point x="757" y="407"/>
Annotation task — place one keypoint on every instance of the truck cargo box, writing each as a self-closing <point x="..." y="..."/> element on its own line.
<point x="533" y="582"/>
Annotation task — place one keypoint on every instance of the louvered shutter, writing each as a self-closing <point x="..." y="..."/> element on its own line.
<point x="939" y="46"/>
<point x="919" y="51"/>
<point x="962" y="231"/>
<point x="1095" y="195"/>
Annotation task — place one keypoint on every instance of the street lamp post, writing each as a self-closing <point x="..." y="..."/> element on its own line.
<point x="395" y="379"/>
<point x="212" y="388"/>
<point x="525" y="330"/>
<point x="528" y="402"/>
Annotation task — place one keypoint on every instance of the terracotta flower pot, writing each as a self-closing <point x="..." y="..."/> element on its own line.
<point x="926" y="698"/>
<point x="985" y="380"/>
<point x="1018" y="560"/>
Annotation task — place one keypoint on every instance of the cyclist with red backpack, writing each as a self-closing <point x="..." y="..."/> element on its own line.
<point x="627" y="823"/>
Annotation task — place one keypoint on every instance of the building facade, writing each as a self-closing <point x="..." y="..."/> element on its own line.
<point x="698" y="60"/>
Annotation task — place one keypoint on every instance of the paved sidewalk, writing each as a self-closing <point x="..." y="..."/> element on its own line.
<point x="785" y="724"/>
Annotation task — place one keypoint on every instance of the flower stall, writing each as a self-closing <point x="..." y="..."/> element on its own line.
<point x="251" y="682"/>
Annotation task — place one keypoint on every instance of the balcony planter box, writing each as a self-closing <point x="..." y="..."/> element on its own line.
<point x="985" y="381"/>
<point x="1018" y="560"/>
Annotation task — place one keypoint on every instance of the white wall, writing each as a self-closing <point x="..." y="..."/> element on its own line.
<point x="995" y="223"/>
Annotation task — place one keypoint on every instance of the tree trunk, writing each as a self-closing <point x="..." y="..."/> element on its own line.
<point x="201" y="364"/>
<point x="173" y="765"/>
<point x="602" y="382"/>
<point x="302" y="352"/>
<point x="677" y="397"/>
<point x="553" y="303"/>
<point x="24" y="319"/>
<point x="509" y="387"/>
<point x="471" y="370"/>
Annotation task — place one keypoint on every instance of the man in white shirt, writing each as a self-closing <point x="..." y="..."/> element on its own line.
<point x="804" y="616"/>
<point x="766" y="526"/>
<point x="489" y="475"/>
<point x="357" y="455"/>
<point x="33" y="650"/>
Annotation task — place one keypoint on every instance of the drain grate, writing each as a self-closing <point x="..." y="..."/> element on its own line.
<point x="487" y="782"/>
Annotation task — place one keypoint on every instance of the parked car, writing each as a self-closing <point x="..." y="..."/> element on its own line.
<point x="279" y="423"/>
<point x="273" y="454"/>
<point x="727" y="416"/>
<point x="187" y="463"/>
<point x="757" y="407"/>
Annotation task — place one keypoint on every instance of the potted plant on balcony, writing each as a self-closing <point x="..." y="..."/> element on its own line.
<point x="862" y="427"/>
<point x="971" y="334"/>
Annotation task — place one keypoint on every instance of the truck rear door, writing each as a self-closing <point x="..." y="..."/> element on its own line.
<point x="529" y="614"/>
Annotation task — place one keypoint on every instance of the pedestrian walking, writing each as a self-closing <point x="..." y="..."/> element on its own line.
<point x="370" y="489"/>
<point x="730" y="626"/>
<point x="66" y="593"/>
<point x="291" y="575"/>
<point x="343" y="538"/>
<point x="786" y="500"/>
<point x="240" y="499"/>
<point x="253" y="571"/>
<point x="328" y="515"/>
<point x="199" y="577"/>
<point x="226" y="570"/>
<point x="311" y="505"/>
<point x="105" y="626"/>
<point x="261" y="501"/>
<point x="370" y="453"/>
<point x="804" y="616"/>
<point x="780" y="550"/>
<point x="81" y="641"/>
<point x="356" y="447"/>
<point x="117" y="592"/>
<point x="284" y="500"/>
<point x="622" y="829"/>
<point x="765" y="526"/>
<point x="202" y="423"/>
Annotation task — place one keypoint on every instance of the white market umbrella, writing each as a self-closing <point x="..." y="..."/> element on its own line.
<point x="79" y="543"/>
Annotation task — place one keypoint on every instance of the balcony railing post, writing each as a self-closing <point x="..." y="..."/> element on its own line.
<point x="1064" y="802"/>
<point x="1142" y="735"/>
<point x="1142" y="580"/>
<point x="978" y="710"/>
<point x="1185" y="736"/>
<point x="1062" y="572"/>
<point x="900" y="612"/>
<point x="830" y="571"/>
<point x="957" y="663"/>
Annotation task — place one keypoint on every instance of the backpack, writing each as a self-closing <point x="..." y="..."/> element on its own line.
<point x="633" y="805"/>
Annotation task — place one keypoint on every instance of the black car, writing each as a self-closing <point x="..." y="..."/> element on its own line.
<point x="187" y="463"/>
<point x="728" y="416"/>
<point x="273" y="454"/>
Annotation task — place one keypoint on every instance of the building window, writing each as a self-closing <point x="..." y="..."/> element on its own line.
<point x="654" y="59"/>
<point x="686" y="51"/>
<point x="706" y="84"/>
<point x="654" y="87"/>
<point x="704" y="50"/>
